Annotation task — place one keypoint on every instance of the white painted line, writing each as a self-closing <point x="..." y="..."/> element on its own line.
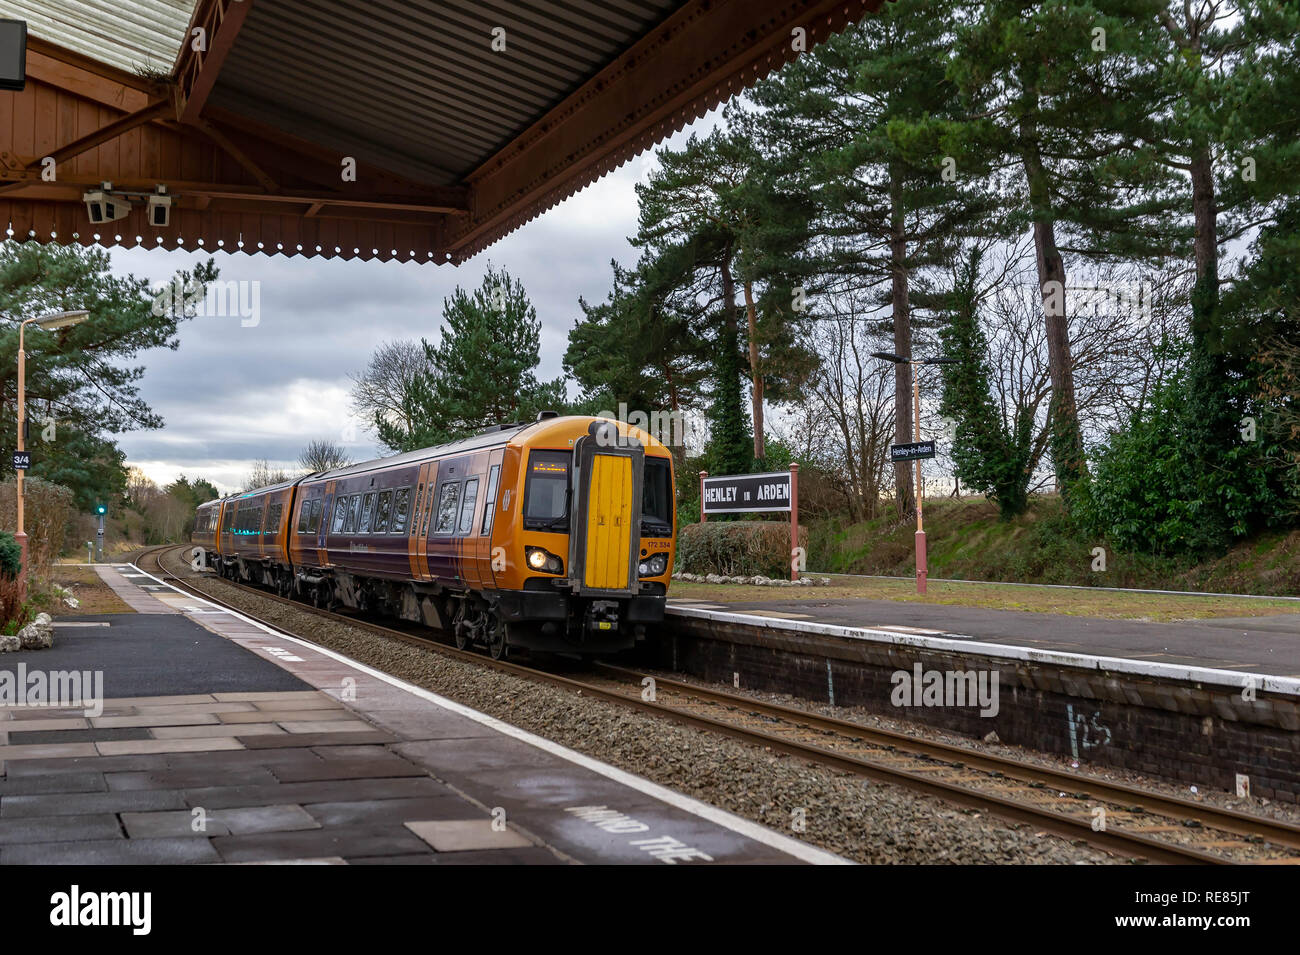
<point x="751" y="830"/>
<point x="1013" y="583"/>
<point x="1192" y="674"/>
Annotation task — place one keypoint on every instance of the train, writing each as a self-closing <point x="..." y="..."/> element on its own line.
<point x="552" y="536"/>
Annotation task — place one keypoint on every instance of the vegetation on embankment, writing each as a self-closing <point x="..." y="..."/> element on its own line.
<point x="967" y="541"/>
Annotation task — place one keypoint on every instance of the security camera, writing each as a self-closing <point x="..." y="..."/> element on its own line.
<point x="104" y="207"/>
<point x="160" y="208"/>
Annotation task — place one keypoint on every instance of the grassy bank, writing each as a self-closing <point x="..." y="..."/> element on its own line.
<point x="968" y="542"/>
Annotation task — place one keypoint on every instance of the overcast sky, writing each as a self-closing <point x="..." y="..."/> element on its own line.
<point x="231" y="394"/>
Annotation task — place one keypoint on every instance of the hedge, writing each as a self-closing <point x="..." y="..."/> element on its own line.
<point x="736" y="548"/>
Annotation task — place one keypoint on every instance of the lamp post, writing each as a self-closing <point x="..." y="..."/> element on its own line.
<point x="921" y="568"/>
<point x="49" y="322"/>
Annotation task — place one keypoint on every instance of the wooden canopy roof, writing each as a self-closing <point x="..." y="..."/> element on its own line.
<point x="463" y="119"/>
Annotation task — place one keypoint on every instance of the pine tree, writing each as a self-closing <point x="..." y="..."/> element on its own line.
<point x="1041" y="80"/>
<point x="857" y="124"/>
<point x="483" y="370"/>
<point x="711" y="217"/>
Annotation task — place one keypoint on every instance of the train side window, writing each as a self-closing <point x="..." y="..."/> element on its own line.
<point x="313" y="524"/>
<point x="382" y="510"/>
<point x="354" y="514"/>
<point x="467" y="507"/>
<point x="367" y="513"/>
<point x="494" y="476"/>
<point x="448" y="500"/>
<point x="419" y="508"/>
<point x="340" y="515"/>
<point x="304" y="514"/>
<point x="401" y="505"/>
<point x="230" y="519"/>
<point x="273" y="518"/>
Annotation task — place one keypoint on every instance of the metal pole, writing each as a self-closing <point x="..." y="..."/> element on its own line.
<point x="21" y="536"/>
<point x="99" y="540"/>
<point x="703" y="517"/>
<point x="794" y="520"/>
<point x="920" y="524"/>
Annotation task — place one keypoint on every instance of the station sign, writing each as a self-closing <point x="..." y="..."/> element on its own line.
<point x="22" y="460"/>
<point x="915" y="451"/>
<point x="746" y="493"/>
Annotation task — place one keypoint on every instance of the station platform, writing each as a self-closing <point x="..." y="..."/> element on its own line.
<point x="203" y="736"/>
<point x="1262" y="646"/>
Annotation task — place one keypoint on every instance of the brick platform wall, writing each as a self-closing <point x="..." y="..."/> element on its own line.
<point x="1199" y="734"/>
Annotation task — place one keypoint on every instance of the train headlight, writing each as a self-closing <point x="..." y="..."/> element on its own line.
<point x="653" y="566"/>
<point x="539" y="559"/>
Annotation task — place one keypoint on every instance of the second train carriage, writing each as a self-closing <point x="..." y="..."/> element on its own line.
<point x="555" y="535"/>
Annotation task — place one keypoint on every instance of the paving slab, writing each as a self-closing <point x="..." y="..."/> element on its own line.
<point x="218" y="741"/>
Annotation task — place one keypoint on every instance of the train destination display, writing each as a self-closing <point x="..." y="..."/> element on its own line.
<point x="746" y="493"/>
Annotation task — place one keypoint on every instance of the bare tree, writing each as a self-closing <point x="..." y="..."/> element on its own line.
<point x="262" y="475"/>
<point x="850" y="400"/>
<point x="383" y="388"/>
<point x="323" y="455"/>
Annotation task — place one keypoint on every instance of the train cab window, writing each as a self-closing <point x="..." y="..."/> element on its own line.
<point x="467" y="507"/>
<point x="367" y="513"/>
<point x="448" y="501"/>
<point x="314" y="523"/>
<point x="490" y="502"/>
<point x="401" y="505"/>
<point x="354" y="514"/>
<point x="657" y="499"/>
<point x="340" y="515"/>
<point x="546" y="493"/>
<point x="382" y="510"/>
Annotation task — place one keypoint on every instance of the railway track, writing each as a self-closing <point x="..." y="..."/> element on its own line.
<point x="1128" y="820"/>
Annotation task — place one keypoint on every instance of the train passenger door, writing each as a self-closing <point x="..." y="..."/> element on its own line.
<point x="418" y="548"/>
<point x="482" y="537"/>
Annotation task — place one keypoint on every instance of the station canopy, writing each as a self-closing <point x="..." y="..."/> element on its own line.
<point x="419" y="131"/>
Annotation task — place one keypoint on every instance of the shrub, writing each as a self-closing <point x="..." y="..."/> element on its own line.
<point x="48" y="509"/>
<point x="737" y="548"/>
<point x="11" y="556"/>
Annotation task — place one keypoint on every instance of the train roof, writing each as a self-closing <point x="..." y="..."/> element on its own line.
<point x="502" y="434"/>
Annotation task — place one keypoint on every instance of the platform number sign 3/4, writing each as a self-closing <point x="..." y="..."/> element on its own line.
<point x="22" y="460"/>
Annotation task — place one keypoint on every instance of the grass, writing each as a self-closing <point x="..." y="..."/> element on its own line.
<point x="92" y="594"/>
<point x="967" y="541"/>
<point x="1075" y="601"/>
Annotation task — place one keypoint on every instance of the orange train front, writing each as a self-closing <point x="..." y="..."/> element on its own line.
<point x="555" y="535"/>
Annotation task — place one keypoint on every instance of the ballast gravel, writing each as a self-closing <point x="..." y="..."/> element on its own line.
<point x="861" y="820"/>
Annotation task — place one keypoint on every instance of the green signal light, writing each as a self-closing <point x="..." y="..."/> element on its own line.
<point x="101" y="509"/>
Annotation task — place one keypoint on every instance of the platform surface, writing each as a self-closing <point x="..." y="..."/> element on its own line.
<point x="219" y="740"/>
<point x="1267" y="645"/>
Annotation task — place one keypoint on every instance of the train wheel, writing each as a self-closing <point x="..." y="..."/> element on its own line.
<point x="460" y="627"/>
<point x="496" y="638"/>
